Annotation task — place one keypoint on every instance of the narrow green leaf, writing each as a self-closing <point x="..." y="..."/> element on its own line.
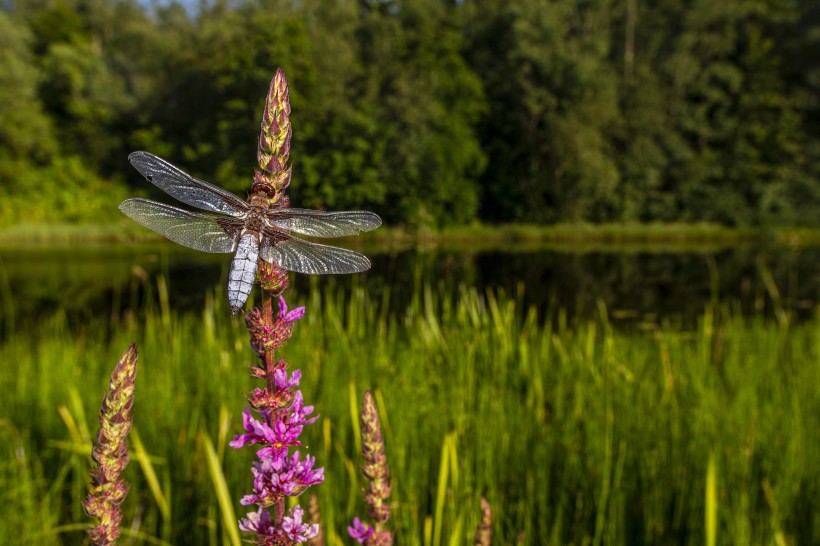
<point x="223" y="495"/>
<point x="150" y="474"/>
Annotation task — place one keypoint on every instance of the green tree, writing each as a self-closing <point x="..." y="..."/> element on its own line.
<point x="553" y="106"/>
<point x="86" y="98"/>
<point x="429" y="101"/>
<point x="728" y="101"/>
<point x="800" y="200"/>
<point x="340" y="151"/>
<point x="25" y="130"/>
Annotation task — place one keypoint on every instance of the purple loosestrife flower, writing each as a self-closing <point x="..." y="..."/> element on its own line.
<point x="263" y="399"/>
<point x="274" y="141"/>
<point x="283" y="381"/>
<point x="277" y="439"/>
<point x="258" y="522"/>
<point x="484" y="530"/>
<point x="359" y="531"/>
<point x="291" y="479"/>
<point x="110" y="452"/>
<point x="269" y="337"/>
<point x="272" y="279"/>
<point x="375" y="469"/>
<point x="299" y="412"/>
<point x="293" y="531"/>
<point x="289" y="316"/>
<point x="282" y="413"/>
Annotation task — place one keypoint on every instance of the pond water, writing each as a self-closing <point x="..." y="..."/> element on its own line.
<point x="636" y="284"/>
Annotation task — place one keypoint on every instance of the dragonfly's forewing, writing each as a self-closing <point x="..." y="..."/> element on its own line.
<point x="186" y="188"/>
<point x="323" y="224"/>
<point x="198" y="231"/>
<point x="302" y="256"/>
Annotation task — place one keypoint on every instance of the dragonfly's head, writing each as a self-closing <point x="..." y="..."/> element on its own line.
<point x="262" y="186"/>
<point x="272" y="186"/>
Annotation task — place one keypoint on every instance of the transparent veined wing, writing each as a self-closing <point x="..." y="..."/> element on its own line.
<point x="323" y="224"/>
<point x="302" y="256"/>
<point x="186" y="188"/>
<point x="198" y="231"/>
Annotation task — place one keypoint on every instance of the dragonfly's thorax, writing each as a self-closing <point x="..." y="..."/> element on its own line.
<point x="255" y="219"/>
<point x="260" y="201"/>
<point x="254" y="223"/>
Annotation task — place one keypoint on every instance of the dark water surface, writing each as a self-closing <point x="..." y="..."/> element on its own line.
<point x="636" y="284"/>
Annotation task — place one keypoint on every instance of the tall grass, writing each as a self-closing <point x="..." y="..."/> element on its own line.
<point x="575" y="433"/>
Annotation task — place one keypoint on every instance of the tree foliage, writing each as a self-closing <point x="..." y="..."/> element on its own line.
<point x="430" y="111"/>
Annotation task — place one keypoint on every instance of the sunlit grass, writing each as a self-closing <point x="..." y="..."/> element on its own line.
<point x="575" y="433"/>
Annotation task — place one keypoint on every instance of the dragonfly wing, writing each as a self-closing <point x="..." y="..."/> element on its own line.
<point x="198" y="231"/>
<point x="302" y="256"/>
<point x="323" y="224"/>
<point x="186" y="188"/>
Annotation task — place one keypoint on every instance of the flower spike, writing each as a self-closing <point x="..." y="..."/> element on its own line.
<point x="375" y="469"/>
<point x="110" y="452"/>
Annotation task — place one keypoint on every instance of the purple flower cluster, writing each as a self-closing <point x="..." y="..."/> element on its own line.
<point x="284" y="432"/>
<point x="267" y="337"/>
<point x="292" y="531"/>
<point x="282" y="416"/>
<point x="270" y="484"/>
<point x="360" y="532"/>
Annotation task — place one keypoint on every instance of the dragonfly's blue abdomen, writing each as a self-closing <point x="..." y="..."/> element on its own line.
<point x="243" y="271"/>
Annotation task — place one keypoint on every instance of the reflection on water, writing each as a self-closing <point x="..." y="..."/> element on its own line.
<point x="634" y="285"/>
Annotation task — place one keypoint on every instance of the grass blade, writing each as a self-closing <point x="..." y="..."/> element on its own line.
<point x="223" y="495"/>
<point x="147" y="467"/>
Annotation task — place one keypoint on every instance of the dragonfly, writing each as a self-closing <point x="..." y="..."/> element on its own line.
<point x="250" y="229"/>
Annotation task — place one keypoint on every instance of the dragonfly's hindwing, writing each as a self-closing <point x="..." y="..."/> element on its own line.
<point x="302" y="256"/>
<point x="203" y="232"/>
<point x="243" y="272"/>
<point x="323" y="224"/>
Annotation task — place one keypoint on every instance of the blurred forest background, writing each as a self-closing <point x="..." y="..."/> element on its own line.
<point x="429" y="112"/>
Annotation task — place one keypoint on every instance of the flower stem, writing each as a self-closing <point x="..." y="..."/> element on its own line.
<point x="270" y="363"/>
<point x="273" y="388"/>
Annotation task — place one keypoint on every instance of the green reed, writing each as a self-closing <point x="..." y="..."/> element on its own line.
<point x="574" y="431"/>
